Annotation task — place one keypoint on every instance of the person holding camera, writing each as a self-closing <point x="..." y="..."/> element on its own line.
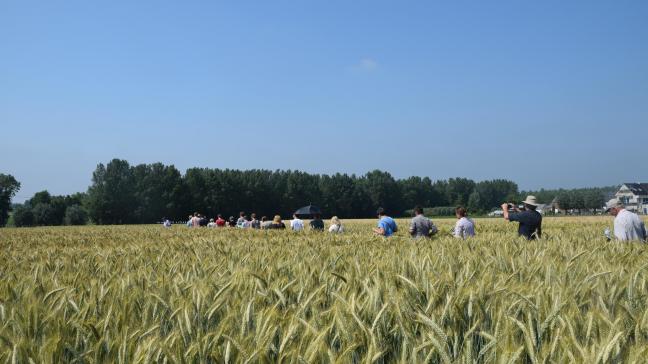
<point x="530" y="220"/>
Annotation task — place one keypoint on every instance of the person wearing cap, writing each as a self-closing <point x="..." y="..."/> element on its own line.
<point x="530" y="220"/>
<point x="627" y="225"/>
<point x="386" y="225"/>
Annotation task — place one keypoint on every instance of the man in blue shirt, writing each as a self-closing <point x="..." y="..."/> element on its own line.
<point x="386" y="225"/>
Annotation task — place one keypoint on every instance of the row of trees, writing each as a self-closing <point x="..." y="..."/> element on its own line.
<point x="46" y="210"/>
<point x="8" y="188"/>
<point x="125" y="194"/>
<point x="121" y="193"/>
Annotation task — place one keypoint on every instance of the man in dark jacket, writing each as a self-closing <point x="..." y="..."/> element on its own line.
<point x="530" y="220"/>
<point x="317" y="224"/>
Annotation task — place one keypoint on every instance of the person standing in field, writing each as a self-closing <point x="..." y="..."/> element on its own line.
<point x="277" y="223"/>
<point x="317" y="224"/>
<point x="336" y="226"/>
<point x="203" y="221"/>
<point x="231" y="222"/>
<point x="211" y="223"/>
<point x="296" y="224"/>
<point x="254" y="222"/>
<point x="265" y="223"/>
<point x="166" y="223"/>
<point x="421" y="226"/>
<point x="465" y="226"/>
<point x="220" y="222"/>
<point x="195" y="220"/>
<point x="530" y="220"/>
<point x="628" y="226"/>
<point x="240" y="223"/>
<point x="386" y="225"/>
<point x="190" y="221"/>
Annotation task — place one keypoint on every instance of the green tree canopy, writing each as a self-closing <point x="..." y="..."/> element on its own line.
<point x="8" y="188"/>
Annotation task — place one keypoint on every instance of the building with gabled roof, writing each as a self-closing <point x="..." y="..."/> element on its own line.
<point x="634" y="196"/>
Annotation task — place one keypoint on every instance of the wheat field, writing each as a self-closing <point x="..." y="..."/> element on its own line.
<point x="145" y="294"/>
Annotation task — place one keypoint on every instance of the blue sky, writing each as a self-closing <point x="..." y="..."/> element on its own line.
<point x="548" y="94"/>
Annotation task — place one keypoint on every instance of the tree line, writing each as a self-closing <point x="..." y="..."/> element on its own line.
<point x="121" y="193"/>
<point x="578" y="199"/>
<point x="124" y="194"/>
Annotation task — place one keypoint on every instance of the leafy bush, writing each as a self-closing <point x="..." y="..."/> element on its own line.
<point x="23" y="216"/>
<point x="44" y="214"/>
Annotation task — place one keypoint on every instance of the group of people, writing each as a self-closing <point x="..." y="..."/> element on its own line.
<point x="627" y="225"/>
<point x="421" y="227"/>
<point x="252" y="222"/>
<point x="316" y="224"/>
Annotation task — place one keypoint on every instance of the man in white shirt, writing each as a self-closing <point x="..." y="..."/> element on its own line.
<point x="296" y="224"/>
<point x="627" y="225"/>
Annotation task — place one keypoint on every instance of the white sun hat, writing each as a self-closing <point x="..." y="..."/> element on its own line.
<point x="530" y="200"/>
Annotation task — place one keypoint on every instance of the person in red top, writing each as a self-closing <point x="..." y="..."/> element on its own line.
<point x="220" y="222"/>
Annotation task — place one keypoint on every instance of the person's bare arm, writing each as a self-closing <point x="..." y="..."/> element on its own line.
<point x="379" y="231"/>
<point x="505" y="211"/>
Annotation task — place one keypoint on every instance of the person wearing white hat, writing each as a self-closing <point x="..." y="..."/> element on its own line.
<point x="627" y="225"/>
<point x="530" y="220"/>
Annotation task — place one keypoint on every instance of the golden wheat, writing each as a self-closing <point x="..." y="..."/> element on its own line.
<point x="141" y="294"/>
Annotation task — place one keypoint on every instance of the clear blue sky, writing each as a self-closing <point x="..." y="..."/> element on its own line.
<point x="546" y="93"/>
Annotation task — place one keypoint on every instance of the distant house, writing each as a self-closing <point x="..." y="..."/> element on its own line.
<point x="634" y="196"/>
<point x="544" y="208"/>
<point x="555" y="205"/>
<point x="549" y="208"/>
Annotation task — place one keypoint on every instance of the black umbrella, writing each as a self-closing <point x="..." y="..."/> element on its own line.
<point x="308" y="211"/>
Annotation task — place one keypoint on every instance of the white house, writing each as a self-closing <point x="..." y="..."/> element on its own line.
<point x="544" y="208"/>
<point x="634" y="196"/>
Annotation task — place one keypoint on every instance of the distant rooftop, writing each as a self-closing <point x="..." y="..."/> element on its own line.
<point x="638" y="188"/>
